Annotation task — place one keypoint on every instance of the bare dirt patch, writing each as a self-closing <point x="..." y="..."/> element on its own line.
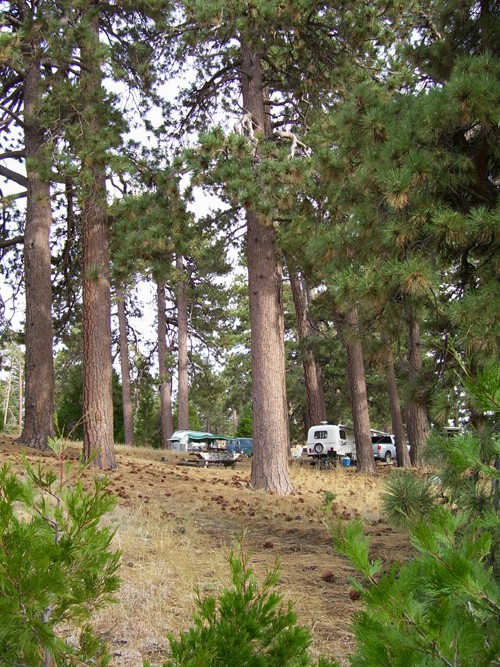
<point x="175" y="526"/>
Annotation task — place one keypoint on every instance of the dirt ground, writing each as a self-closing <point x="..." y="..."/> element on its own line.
<point x="175" y="525"/>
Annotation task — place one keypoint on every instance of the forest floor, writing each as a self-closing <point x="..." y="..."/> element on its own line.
<point x="176" y="524"/>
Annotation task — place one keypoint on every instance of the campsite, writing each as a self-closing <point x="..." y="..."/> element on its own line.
<point x="175" y="526"/>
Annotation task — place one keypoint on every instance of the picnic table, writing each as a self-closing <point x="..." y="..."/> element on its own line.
<point x="217" y="457"/>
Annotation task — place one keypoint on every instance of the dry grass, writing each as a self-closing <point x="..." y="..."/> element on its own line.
<point x="175" y="526"/>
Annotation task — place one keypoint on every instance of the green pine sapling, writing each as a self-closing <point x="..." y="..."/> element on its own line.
<point x="247" y="626"/>
<point x="57" y="565"/>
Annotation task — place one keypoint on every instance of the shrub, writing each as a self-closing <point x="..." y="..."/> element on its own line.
<point x="406" y="498"/>
<point x="248" y="626"/>
<point x="440" y="608"/>
<point x="56" y="564"/>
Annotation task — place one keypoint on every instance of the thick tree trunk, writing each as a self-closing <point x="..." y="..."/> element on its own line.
<point x="347" y="327"/>
<point x="182" y="336"/>
<point x="417" y="419"/>
<point x="270" y="470"/>
<point x="167" y="423"/>
<point x="39" y="365"/>
<point x="128" y="411"/>
<point x="98" y="443"/>
<point x="312" y="372"/>
<point x="398" y="428"/>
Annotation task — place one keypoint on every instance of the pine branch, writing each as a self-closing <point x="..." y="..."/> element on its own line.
<point x="434" y="651"/>
<point x="16" y="195"/>
<point x="202" y="93"/>
<point x="8" y="243"/>
<point x="13" y="154"/>
<point x="12" y="115"/>
<point x="245" y="127"/>
<point x="13" y="176"/>
<point x="13" y="20"/>
<point x="295" y="142"/>
<point x="428" y="23"/>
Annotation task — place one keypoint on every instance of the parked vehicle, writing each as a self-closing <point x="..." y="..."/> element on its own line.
<point x="384" y="447"/>
<point x="240" y="445"/>
<point x="185" y="441"/>
<point x="210" y="449"/>
<point x="337" y="441"/>
<point x="332" y="440"/>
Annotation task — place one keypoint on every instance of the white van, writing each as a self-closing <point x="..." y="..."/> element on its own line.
<point x="333" y="440"/>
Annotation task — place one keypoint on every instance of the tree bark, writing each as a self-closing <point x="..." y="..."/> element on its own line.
<point x="167" y="423"/>
<point x="398" y="428"/>
<point x="128" y="411"/>
<point x="39" y="364"/>
<point x="270" y="470"/>
<point x="20" y="399"/>
<point x="312" y="372"/>
<point x="7" y="400"/>
<point x="417" y="419"/>
<point x="182" y="335"/>
<point x="98" y="442"/>
<point x="347" y="327"/>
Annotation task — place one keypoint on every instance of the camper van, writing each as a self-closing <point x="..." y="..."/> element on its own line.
<point x="333" y="440"/>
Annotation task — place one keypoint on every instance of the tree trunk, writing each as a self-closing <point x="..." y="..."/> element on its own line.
<point x="98" y="443"/>
<point x="312" y="372"/>
<point x="20" y="399"/>
<point x="348" y="326"/>
<point x="417" y="420"/>
<point x="7" y="400"/>
<point x="395" y="407"/>
<point x="39" y="364"/>
<point x="167" y="423"/>
<point x="128" y="411"/>
<point x="270" y="470"/>
<point x="182" y="336"/>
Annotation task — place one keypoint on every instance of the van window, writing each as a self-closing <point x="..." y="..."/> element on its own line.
<point x="320" y="435"/>
<point x="342" y="434"/>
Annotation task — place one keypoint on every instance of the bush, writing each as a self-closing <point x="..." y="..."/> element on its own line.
<point x="442" y="608"/>
<point x="56" y="564"/>
<point x="406" y="499"/>
<point x="248" y="626"/>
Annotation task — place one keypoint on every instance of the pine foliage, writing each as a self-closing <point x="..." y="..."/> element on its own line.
<point x="56" y="564"/>
<point x="406" y="498"/>
<point x="442" y="607"/>
<point x="247" y="626"/>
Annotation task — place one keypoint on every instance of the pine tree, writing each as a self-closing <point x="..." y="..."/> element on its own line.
<point x="414" y="169"/>
<point x="24" y="89"/>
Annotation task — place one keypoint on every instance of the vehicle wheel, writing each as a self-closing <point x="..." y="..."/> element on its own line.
<point x="388" y="457"/>
<point x="318" y="448"/>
